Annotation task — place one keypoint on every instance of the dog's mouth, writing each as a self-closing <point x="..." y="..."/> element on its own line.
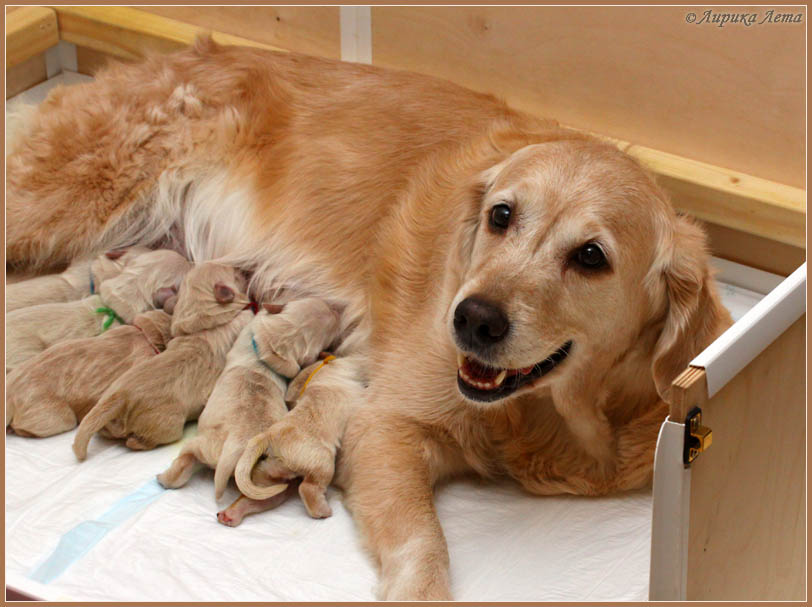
<point x="480" y="382"/>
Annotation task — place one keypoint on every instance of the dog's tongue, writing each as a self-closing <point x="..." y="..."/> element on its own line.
<point x="479" y="371"/>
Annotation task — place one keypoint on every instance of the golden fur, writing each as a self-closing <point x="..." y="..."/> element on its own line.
<point x="150" y="403"/>
<point x="372" y="189"/>
<point x="137" y="288"/>
<point x="79" y="280"/>
<point x="53" y="391"/>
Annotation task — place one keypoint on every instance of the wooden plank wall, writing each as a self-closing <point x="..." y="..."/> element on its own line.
<point x="730" y="96"/>
<point x="306" y="29"/>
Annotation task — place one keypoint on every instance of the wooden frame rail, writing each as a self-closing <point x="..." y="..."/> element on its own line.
<point x="720" y="196"/>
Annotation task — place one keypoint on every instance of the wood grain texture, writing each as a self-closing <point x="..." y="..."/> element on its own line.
<point x="731" y="97"/>
<point x="25" y="75"/>
<point x="747" y="529"/>
<point x="129" y="33"/>
<point x="30" y="30"/>
<point x="754" y="251"/>
<point x="89" y="61"/>
<point x="688" y="390"/>
<point x="306" y="29"/>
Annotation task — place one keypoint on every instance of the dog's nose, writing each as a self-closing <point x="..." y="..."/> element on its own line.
<point x="479" y="323"/>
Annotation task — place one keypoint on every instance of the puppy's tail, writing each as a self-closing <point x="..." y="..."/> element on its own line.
<point x="245" y="465"/>
<point x="226" y="464"/>
<point x="103" y="412"/>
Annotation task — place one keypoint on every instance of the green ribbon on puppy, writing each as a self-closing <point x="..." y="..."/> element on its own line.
<point x="111" y="317"/>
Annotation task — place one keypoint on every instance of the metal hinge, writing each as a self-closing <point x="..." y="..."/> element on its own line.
<point x="697" y="437"/>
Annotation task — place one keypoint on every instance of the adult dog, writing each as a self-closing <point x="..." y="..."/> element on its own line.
<point x="516" y="296"/>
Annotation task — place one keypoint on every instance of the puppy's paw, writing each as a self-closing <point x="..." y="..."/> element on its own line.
<point x="224" y="517"/>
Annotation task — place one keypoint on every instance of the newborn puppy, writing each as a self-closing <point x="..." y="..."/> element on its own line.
<point x="144" y="283"/>
<point x="287" y="350"/>
<point x="295" y="336"/>
<point x="81" y="279"/>
<point x="51" y="392"/>
<point x="248" y="395"/>
<point x="150" y="403"/>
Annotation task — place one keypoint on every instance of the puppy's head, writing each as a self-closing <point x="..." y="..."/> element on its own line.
<point x="111" y="263"/>
<point x="571" y="259"/>
<point x="211" y="295"/>
<point x="144" y="282"/>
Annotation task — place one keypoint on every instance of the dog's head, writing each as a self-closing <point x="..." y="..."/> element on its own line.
<point x="211" y="295"/>
<point x="572" y="260"/>
<point x="111" y="263"/>
<point x="142" y="283"/>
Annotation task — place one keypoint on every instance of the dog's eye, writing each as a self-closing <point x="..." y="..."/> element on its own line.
<point x="590" y="256"/>
<point x="500" y="217"/>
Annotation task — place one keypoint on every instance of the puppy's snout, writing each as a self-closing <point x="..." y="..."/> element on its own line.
<point x="479" y="324"/>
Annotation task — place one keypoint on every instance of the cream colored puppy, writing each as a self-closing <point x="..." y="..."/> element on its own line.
<point x="51" y="392"/>
<point x="144" y="284"/>
<point x="81" y="279"/>
<point x="150" y="403"/>
<point x="293" y="338"/>
<point x="248" y="395"/>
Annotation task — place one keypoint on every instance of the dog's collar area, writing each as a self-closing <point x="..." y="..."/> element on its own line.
<point x="482" y="383"/>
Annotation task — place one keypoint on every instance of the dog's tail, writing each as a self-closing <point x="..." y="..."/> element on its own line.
<point x="226" y="464"/>
<point x="104" y="411"/>
<point x="245" y="465"/>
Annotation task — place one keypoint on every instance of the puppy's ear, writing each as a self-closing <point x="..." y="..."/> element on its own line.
<point x="160" y="296"/>
<point x="170" y="303"/>
<point x="223" y="293"/>
<point x="695" y="315"/>
<point x="273" y="308"/>
<point x="115" y="253"/>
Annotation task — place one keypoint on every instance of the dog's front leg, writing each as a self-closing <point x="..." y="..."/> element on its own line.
<point x="386" y="470"/>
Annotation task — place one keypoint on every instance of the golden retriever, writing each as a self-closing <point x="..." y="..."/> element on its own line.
<point x="517" y="297"/>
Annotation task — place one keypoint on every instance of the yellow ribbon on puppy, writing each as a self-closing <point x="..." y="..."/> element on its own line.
<point x="316" y="370"/>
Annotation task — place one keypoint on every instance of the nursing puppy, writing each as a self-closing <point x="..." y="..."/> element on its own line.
<point x="150" y="403"/>
<point x="250" y="393"/>
<point x="51" y="392"/>
<point x="143" y="284"/>
<point x="81" y="279"/>
<point x="517" y="297"/>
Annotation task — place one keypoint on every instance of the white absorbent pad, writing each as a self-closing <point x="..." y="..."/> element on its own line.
<point x="104" y="529"/>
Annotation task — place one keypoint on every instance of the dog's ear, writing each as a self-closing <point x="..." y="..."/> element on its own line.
<point x="223" y="293"/>
<point x="694" y="315"/>
<point x="273" y="308"/>
<point x="115" y="253"/>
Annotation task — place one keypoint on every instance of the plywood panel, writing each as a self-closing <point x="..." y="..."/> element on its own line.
<point x="25" y="75"/>
<point x="130" y="33"/>
<point x="29" y="31"/>
<point x="747" y="529"/>
<point x="307" y="29"/>
<point x="754" y="251"/>
<point x="730" y="96"/>
<point x="88" y="61"/>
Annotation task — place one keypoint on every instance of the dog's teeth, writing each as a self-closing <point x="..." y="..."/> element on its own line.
<point x="500" y="378"/>
<point x="460" y="359"/>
